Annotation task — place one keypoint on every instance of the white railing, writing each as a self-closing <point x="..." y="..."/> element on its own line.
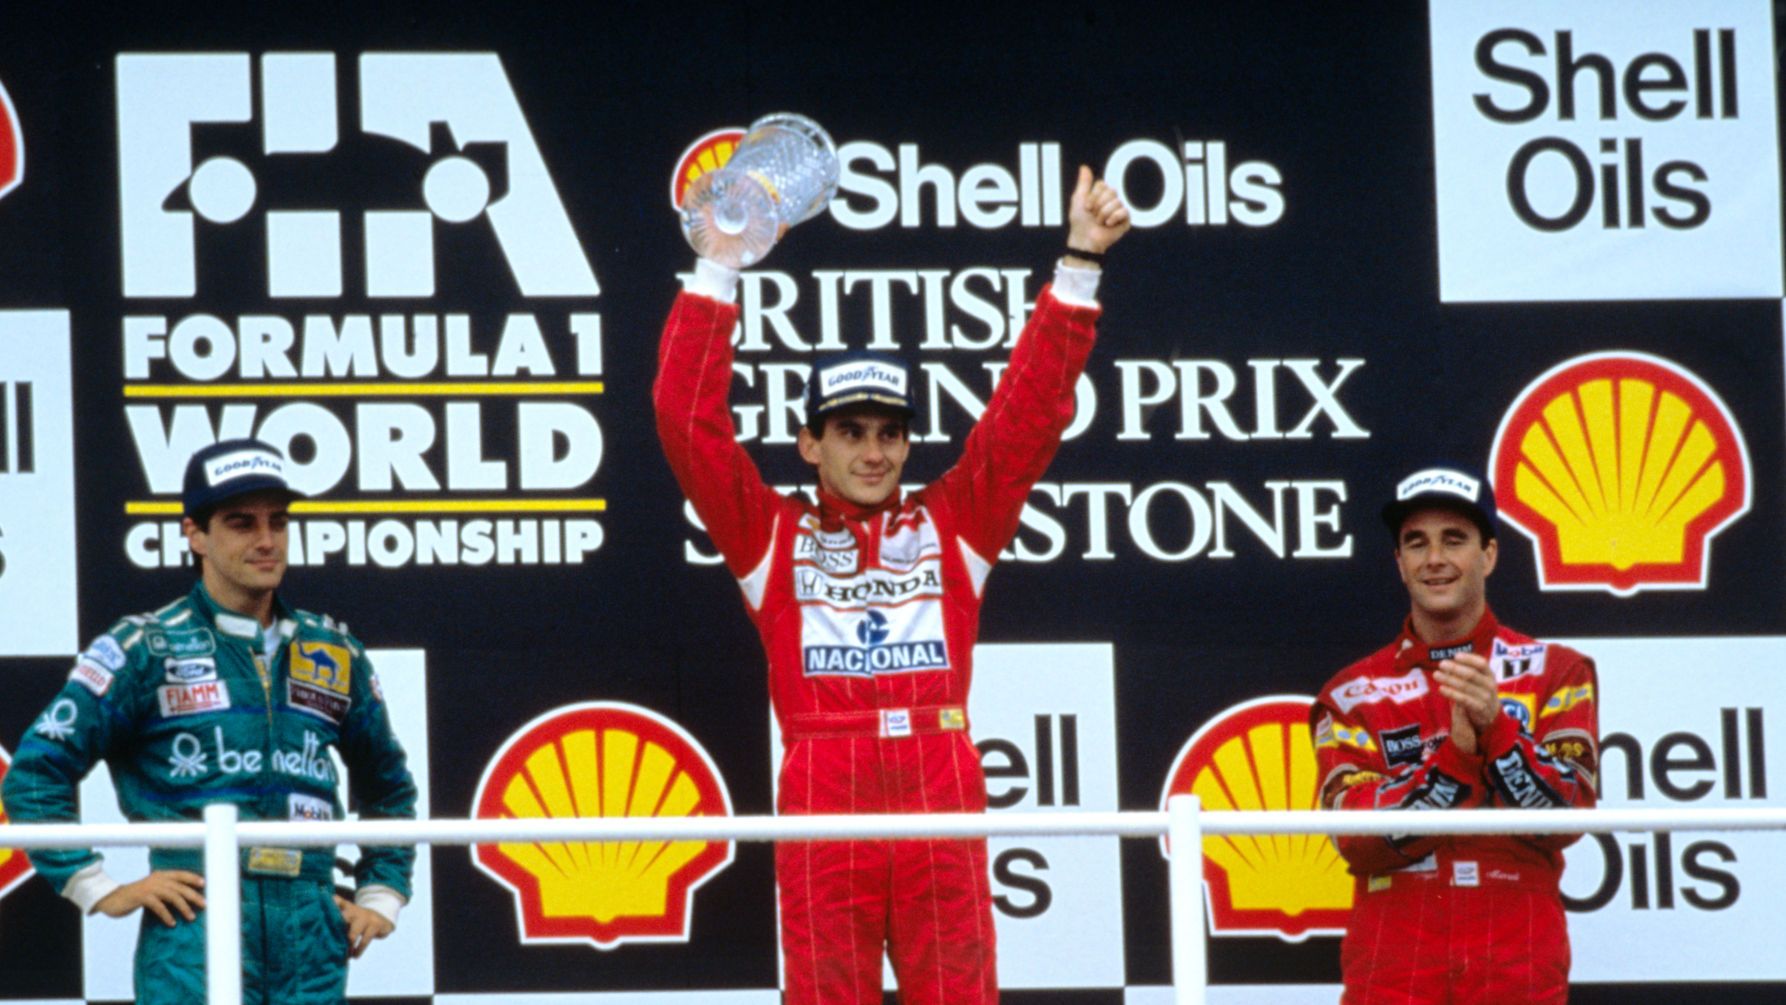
<point x="1183" y="823"/>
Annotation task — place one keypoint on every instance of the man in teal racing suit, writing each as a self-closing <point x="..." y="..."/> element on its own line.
<point x="227" y="695"/>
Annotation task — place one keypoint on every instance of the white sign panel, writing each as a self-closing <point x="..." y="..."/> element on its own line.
<point x="400" y="964"/>
<point x="37" y="553"/>
<point x="1605" y="151"/>
<point x="1044" y="718"/>
<point x="1683" y="723"/>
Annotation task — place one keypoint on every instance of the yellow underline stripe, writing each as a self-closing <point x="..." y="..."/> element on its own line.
<point x="343" y="390"/>
<point x="301" y="507"/>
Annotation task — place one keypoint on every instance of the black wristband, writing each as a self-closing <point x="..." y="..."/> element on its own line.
<point x="1096" y="257"/>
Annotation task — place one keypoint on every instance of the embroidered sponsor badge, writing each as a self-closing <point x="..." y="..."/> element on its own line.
<point x="1509" y="662"/>
<point x="275" y="861"/>
<point x="106" y="652"/>
<point x="320" y="679"/>
<point x="1402" y="745"/>
<point x="182" y="642"/>
<point x="321" y="665"/>
<point x="91" y="676"/>
<point x="322" y="704"/>
<point x="190" y="671"/>
<point x="896" y="722"/>
<point x="310" y="808"/>
<point x="189" y="699"/>
<point x="1365" y="690"/>
<point x="1465" y="874"/>
<point x="1519" y="708"/>
<point x="952" y="719"/>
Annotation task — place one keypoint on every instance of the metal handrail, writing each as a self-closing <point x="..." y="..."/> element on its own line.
<point x="1184" y="823"/>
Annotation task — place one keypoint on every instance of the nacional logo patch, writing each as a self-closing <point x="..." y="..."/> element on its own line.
<point x="1621" y="467"/>
<point x="1259" y="755"/>
<point x="602" y="759"/>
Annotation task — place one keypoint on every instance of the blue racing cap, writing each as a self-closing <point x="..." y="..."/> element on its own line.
<point x="231" y="468"/>
<point x="858" y="378"/>
<point x="1446" y="486"/>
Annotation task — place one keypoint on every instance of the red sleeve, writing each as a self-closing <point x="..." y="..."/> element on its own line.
<point x="694" y="380"/>
<point x="1015" y="439"/>
<point x="1554" y="765"/>
<point x="1355" y="776"/>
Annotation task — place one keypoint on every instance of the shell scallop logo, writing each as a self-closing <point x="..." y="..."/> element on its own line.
<point x="12" y="145"/>
<point x="1259" y="756"/>
<point x="1620" y="467"/>
<point x="709" y="153"/>
<point x="14" y="866"/>
<point x="602" y="759"/>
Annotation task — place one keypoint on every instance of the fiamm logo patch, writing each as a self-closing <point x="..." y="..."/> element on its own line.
<point x="1259" y="755"/>
<point x="1621" y="467"/>
<point x="602" y="759"/>
<point x="14" y="866"/>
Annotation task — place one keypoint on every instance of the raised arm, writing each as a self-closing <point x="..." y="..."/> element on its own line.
<point x="1017" y="435"/>
<point x="694" y="423"/>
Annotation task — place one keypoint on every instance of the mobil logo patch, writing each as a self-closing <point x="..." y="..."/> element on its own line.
<point x="602" y="759"/>
<point x="12" y="145"/>
<point x="1621" y="467"/>
<point x="14" y="866"/>
<point x="1259" y="755"/>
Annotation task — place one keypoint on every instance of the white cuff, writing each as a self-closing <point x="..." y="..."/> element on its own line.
<point x="713" y="280"/>
<point x="1074" y="286"/>
<point x="90" y="886"/>
<point x="380" y="900"/>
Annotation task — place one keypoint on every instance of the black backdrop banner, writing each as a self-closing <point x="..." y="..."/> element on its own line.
<point x="428" y="249"/>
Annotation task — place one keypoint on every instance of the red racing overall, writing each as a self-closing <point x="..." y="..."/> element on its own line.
<point x="869" y="619"/>
<point x="1469" y="920"/>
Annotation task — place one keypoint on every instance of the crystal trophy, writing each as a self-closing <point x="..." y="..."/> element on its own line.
<point x="783" y="172"/>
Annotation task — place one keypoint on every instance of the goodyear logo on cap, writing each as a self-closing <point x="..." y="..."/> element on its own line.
<point x="1621" y="467"/>
<point x="1259" y="755"/>
<point x="14" y="866"/>
<point x="861" y="374"/>
<point x="242" y="463"/>
<point x="602" y="759"/>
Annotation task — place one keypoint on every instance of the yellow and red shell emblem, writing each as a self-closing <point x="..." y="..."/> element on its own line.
<point x="709" y="153"/>
<point x="602" y="759"/>
<point x="1620" y="467"/>
<point x="14" y="866"/>
<point x="1258" y="755"/>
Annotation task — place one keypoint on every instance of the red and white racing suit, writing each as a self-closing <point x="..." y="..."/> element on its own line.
<point x="1457" y="919"/>
<point x="869" y="619"/>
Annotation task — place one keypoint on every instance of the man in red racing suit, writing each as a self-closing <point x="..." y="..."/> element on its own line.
<point x="1460" y="711"/>
<point x="868" y="606"/>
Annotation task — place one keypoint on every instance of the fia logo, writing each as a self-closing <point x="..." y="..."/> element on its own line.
<point x="458" y="109"/>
